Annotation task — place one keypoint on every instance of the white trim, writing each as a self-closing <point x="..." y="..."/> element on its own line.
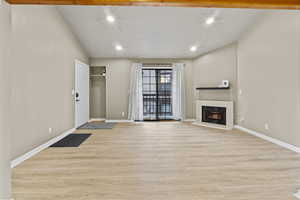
<point x="189" y="120"/>
<point x="229" y="113"/>
<point x="270" y="139"/>
<point x="96" y="119"/>
<point x="118" y="120"/>
<point x="40" y="148"/>
<point x="80" y="62"/>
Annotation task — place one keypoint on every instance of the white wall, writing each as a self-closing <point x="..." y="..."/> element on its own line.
<point x="118" y="80"/>
<point x="263" y="56"/>
<point x="269" y="76"/>
<point x="117" y="86"/>
<point x="210" y="69"/>
<point x="265" y="66"/>
<point x="5" y="33"/>
<point x="42" y="76"/>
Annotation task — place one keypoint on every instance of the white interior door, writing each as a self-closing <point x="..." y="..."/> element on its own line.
<point x="82" y="88"/>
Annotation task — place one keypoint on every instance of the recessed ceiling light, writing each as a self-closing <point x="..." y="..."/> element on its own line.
<point x="110" y="19"/>
<point x="193" y="48"/>
<point x="119" y="48"/>
<point x="210" y="20"/>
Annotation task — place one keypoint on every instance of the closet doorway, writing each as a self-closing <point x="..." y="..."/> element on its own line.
<point x="157" y="94"/>
<point x="97" y="93"/>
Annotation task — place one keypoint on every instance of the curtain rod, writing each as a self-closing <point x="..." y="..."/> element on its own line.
<point x="157" y="64"/>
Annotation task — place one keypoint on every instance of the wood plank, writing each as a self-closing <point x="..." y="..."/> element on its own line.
<point x="161" y="161"/>
<point x="259" y="4"/>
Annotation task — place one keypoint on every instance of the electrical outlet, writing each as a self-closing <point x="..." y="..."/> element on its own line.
<point x="123" y="114"/>
<point x="50" y="130"/>
<point x="267" y="126"/>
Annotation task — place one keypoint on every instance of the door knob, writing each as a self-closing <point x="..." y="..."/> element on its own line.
<point x="77" y="97"/>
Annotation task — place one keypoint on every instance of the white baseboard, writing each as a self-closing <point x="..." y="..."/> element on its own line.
<point x="270" y="139"/>
<point x="96" y="119"/>
<point x="118" y="120"/>
<point x="38" y="149"/>
<point x="189" y="120"/>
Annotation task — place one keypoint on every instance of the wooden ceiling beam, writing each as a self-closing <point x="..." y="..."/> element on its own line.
<point x="257" y="4"/>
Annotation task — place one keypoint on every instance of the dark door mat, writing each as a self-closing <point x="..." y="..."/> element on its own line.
<point x="72" y="140"/>
<point x="95" y="125"/>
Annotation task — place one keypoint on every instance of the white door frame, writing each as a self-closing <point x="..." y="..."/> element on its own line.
<point x="74" y="93"/>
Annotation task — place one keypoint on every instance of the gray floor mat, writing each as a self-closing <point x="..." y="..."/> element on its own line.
<point x="93" y="125"/>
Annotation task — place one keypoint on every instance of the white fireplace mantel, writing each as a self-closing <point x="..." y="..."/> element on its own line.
<point x="229" y="113"/>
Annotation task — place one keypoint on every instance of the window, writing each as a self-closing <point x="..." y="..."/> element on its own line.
<point x="157" y="94"/>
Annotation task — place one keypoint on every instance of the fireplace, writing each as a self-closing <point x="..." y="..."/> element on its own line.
<point x="213" y="114"/>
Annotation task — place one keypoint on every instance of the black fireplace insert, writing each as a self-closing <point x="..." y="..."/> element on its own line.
<point x="212" y="114"/>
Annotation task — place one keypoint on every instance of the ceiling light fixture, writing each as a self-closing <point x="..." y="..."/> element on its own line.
<point x="119" y="48"/>
<point x="110" y="19"/>
<point x="193" y="48"/>
<point x="210" y="20"/>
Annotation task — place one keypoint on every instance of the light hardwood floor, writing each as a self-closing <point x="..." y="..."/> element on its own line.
<point x="161" y="161"/>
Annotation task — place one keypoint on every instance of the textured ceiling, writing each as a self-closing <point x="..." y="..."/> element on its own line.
<point x="155" y="32"/>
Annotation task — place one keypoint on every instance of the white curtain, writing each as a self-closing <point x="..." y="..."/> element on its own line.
<point x="135" y="108"/>
<point x="178" y="91"/>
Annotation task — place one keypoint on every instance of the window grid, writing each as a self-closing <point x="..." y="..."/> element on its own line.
<point x="157" y="94"/>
